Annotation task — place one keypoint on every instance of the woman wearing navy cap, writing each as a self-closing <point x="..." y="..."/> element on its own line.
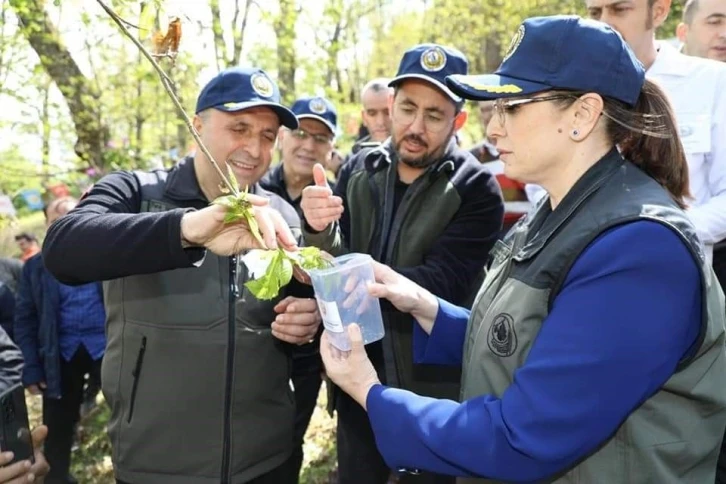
<point x="594" y="352"/>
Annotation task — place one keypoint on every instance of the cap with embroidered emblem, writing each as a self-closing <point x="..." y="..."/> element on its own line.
<point x="560" y="52"/>
<point x="317" y="108"/>
<point x="239" y="88"/>
<point x="432" y="63"/>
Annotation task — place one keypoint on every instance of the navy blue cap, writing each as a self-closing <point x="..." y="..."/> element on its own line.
<point x="432" y="63"/>
<point x="560" y="52"/>
<point x="317" y="108"/>
<point x="239" y="88"/>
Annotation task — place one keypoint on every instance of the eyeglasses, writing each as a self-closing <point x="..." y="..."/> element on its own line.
<point x="318" y="139"/>
<point x="406" y="115"/>
<point x="509" y="106"/>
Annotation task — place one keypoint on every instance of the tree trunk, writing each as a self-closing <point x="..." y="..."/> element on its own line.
<point x="286" y="60"/>
<point x="78" y="91"/>
<point x="45" y="121"/>
<point x="220" y="50"/>
<point x="239" y="35"/>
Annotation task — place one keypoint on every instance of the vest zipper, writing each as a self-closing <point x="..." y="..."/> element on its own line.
<point x="136" y="374"/>
<point x="233" y="294"/>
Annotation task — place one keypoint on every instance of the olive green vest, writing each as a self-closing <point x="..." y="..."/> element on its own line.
<point x="676" y="434"/>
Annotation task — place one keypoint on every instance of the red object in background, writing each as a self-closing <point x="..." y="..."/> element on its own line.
<point x="59" y="190"/>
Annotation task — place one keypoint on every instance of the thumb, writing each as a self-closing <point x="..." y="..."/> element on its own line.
<point x="319" y="175"/>
<point x="356" y="339"/>
<point x="39" y="434"/>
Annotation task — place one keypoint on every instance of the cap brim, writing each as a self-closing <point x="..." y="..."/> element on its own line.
<point x="287" y="117"/>
<point x="492" y="86"/>
<point x="327" y="123"/>
<point x="397" y="80"/>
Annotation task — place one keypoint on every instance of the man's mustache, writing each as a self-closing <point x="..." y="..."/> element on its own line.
<point x="416" y="139"/>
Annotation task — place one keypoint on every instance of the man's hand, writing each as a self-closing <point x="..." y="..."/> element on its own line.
<point x="320" y="206"/>
<point x="37" y="389"/>
<point x="298" y="320"/>
<point x="23" y="471"/>
<point x="206" y="228"/>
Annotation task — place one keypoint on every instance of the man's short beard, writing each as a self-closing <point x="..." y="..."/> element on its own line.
<point x="425" y="160"/>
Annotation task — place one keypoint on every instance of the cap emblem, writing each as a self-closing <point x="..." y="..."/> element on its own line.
<point x="261" y="84"/>
<point x="317" y="106"/>
<point x="514" y="44"/>
<point x="433" y="59"/>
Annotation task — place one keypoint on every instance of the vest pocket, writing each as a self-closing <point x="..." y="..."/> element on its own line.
<point x="136" y="374"/>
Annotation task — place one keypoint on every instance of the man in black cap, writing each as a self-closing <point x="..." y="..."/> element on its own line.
<point x="421" y="205"/>
<point x="196" y="370"/>
<point x="301" y="149"/>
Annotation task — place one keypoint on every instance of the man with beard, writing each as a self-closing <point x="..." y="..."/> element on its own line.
<point x="422" y="205"/>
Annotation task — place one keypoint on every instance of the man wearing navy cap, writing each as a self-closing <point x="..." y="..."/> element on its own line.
<point x="301" y="149"/>
<point x="422" y="205"/>
<point x="196" y="369"/>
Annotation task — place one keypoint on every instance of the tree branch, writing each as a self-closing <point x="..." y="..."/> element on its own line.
<point x="169" y="87"/>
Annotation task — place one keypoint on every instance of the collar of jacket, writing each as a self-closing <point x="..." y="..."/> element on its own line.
<point x="385" y="155"/>
<point x="182" y="183"/>
<point x="544" y="222"/>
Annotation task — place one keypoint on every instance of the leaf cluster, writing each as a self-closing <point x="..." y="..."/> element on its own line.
<point x="279" y="270"/>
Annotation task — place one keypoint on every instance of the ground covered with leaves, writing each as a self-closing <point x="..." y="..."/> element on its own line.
<point x="92" y="454"/>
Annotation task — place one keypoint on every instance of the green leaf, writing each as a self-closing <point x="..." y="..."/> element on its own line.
<point x="227" y="201"/>
<point x="277" y="276"/>
<point x="268" y="286"/>
<point x="232" y="179"/>
<point x="312" y="258"/>
<point x="254" y="227"/>
<point x="231" y="217"/>
<point x="285" y="274"/>
<point x="262" y="288"/>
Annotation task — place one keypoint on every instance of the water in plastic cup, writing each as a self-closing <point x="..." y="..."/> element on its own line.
<point x="342" y="295"/>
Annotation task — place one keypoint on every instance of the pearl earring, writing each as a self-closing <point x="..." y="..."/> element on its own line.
<point x="575" y="133"/>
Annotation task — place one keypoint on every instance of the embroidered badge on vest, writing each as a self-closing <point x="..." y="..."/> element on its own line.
<point x="502" y="339"/>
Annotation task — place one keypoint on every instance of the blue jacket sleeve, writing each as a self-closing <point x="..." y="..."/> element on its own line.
<point x="582" y="378"/>
<point x="444" y="346"/>
<point x="26" y="327"/>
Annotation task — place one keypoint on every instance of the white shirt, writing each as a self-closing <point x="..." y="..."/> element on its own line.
<point x="696" y="88"/>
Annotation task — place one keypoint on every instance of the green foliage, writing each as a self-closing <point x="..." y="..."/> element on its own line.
<point x="280" y="262"/>
<point x="277" y="276"/>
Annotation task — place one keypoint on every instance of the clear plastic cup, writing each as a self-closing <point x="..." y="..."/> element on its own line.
<point x="342" y="295"/>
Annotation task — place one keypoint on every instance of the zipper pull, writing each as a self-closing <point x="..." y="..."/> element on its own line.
<point x="233" y="282"/>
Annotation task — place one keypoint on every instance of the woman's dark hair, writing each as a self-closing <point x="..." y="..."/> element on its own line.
<point x="647" y="136"/>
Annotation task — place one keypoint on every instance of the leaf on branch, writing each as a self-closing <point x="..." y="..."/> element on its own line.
<point x="277" y="275"/>
<point x="279" y="269"/>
